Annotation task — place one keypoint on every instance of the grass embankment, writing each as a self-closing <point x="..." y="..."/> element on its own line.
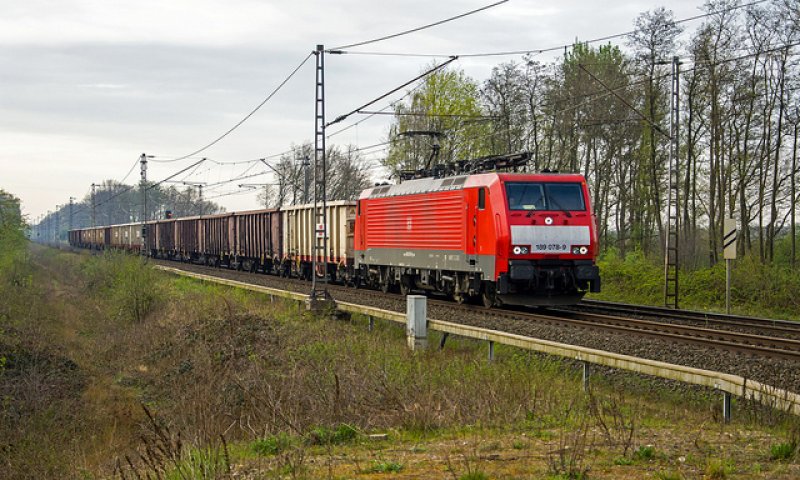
<point x="112" y="369"/>
<point x="760" y="289"/>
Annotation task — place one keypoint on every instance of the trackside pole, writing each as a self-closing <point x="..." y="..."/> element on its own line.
<point x="417" y="322"/>
<point x="586" y="374"/>
<point x="726" y="407"/>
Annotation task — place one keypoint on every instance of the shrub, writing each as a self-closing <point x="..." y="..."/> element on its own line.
<point x="272" y="445"/>
<point x="385" y="467"/>
<point x="647" y="452"/>
<point x="782" y="451"/>
<point x="332" y="436"/>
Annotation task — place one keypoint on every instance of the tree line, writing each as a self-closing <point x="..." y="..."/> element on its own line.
<point x="604" y="111"/>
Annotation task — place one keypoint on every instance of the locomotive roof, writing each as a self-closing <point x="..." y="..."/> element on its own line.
<point x="431" y="184"/>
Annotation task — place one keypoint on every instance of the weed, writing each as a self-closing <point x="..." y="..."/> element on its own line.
<point x="271" y="445"/>
<point x="717" y="469"/>
<point x="163" y="454"/>
<point x="615" y="418"/>
<point x="645" y="453"/>
<point x="474" y="476"/>
<point x="669" y="475"/>
<point x="783" y="451"/>
<point x="332" y="436"/>
<point x="386" y="467"/>
<point x="623" y="461"/>
<point x="568" y="457"/>
<point x="519" y="445"/>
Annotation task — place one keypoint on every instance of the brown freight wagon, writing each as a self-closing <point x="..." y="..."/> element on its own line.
<point x="161" y="238"/>
<point x="186" y="238"/>
<point x="256" y="239"/>
<point x="216" y="237"/>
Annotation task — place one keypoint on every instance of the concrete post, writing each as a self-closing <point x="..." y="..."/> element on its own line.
<point x="491" y="351"/>
<point x="726" y="407"/>
<point x="417" y="322"/>
<point x="585" y="376"/>
<point x="371" y="323"/>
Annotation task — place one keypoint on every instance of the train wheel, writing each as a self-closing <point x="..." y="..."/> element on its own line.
<point x="405" y="285"/>
<point x="460" y="298"/>
<point x="489" y="296"/>
<point x="385" y="287"/>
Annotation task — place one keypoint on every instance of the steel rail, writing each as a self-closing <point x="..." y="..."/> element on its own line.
<point x="709" y="318"/>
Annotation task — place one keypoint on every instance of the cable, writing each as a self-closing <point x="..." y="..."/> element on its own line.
<point x="390" y="105"/>
<point x="413" y="30"/>
<point x="175" y="174"/>
<point x="412" y="114"/>
<point x="418" y="77"/>
<point x="548" y="49"/>
<point x="136" y="162"/>
<point x="246" y="117"/>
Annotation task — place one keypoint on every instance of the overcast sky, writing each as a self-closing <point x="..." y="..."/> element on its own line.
<point x="86" y="86"/>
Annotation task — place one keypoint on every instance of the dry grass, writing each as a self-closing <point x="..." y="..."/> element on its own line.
<point x="219" y="370"/>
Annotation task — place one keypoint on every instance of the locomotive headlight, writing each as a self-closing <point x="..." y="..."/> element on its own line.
<point x="583" y="250"/>
<point x="520" y="250"/>
<point x="576" y="250"/>
<point x="517" y="250"/>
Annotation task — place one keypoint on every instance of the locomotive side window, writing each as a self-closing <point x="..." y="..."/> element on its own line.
<point x="545" y="196"/>
<point x="481" y="198"/>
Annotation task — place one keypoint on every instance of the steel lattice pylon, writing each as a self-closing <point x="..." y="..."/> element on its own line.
<point x="673" y="205"/>
<point x="320" y="292"/>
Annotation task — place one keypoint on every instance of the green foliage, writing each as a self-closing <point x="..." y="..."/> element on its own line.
<point x="129" y="284"/>
<point x="717" y="469"/>
<point x="444" y="103"/>
<point x="14" y="268"/>
<point x="474" y="476"/>
<point x="645" y="452"/>
<point x="385" y="467"/>
<point x="271" y="445"/>
<point x="764" y="288"/>
<point x="343" y="433"/>
<point x="669" y="475"/>
<point x="199" y="464"/>
<point x="783" y="451"/>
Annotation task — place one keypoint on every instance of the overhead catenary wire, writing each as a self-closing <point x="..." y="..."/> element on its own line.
<point x="378" y="99"/>
<point x="417" y="29"/>
<point x="390" y="105"/>
<point x="537" y="51"/>
<point x="246" y="117"/>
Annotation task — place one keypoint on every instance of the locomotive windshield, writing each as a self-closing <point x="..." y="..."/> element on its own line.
<point x="545" y="196"/>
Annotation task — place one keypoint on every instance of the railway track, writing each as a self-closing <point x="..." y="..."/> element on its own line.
<point x="765" y="326"/>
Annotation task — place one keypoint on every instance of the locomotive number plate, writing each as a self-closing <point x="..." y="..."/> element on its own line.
<point x="550" y="248"/>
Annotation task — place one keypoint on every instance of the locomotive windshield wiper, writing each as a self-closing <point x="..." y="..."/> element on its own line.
<point x="560" y="207"/>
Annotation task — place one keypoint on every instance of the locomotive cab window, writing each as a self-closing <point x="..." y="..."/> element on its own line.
<point x="559" y="196"/>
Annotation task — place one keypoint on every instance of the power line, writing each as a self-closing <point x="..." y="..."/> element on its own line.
<point x="390" y="105"/>
<point x="176" y="174"/>
<point x="417" y="114"/>
<point x="538" y="51"/>
<point x="136" y="162"/>
<point x="418" y="77"/>
<point x="246" y="117"/>
<point x="413" y="30"/>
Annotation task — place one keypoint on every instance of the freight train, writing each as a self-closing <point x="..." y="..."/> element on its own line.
<point x="497" y="238"/>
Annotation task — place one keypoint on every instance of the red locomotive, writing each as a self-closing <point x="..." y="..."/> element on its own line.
<point x="524" y="239"/>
